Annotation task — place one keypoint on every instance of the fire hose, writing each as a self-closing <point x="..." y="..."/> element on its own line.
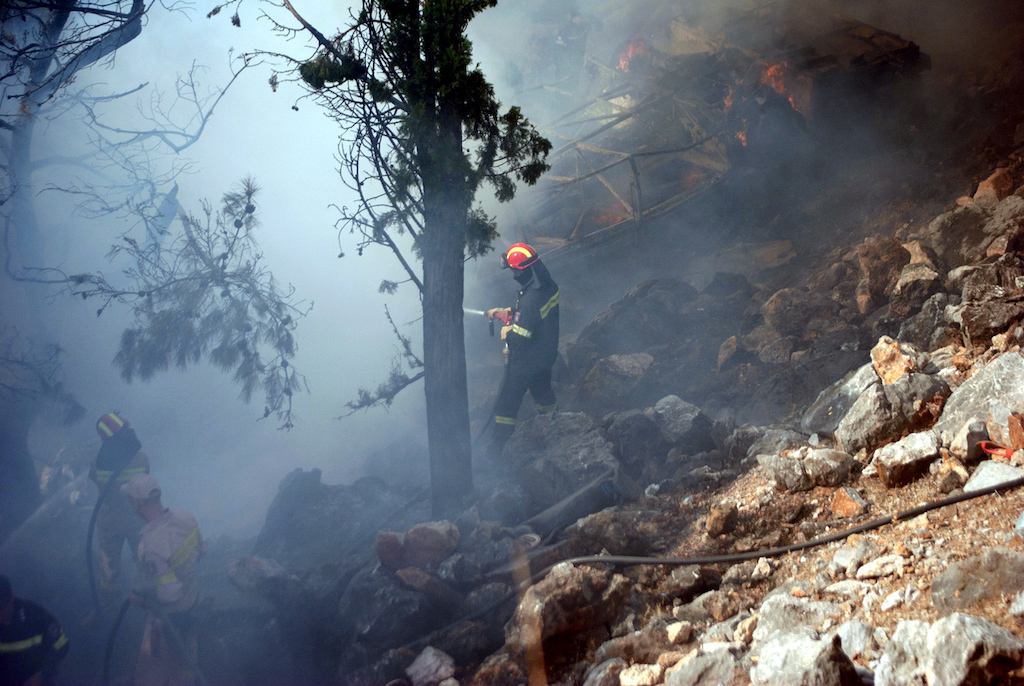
<point x="629" y="560"/>
<point x="92" y="529"/>
<point x="177" y="643"/>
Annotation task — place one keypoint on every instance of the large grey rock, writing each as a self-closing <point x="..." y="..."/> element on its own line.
<point x="803" y="468"/>
<point x="774" y="440"/>
<point x="901" y="462"/>
<point x="715" y="667"/>
<point x="996" y="573"/>
<point x="855" y="637"/>
<point x="906" y="395"/>
<point x="964" y="649"/>
<point x="883" y="412"/>
<point x="1000" y="381"/>
<point x="902" y="661"/>
<point x="788" y="472"/>
<point x="869" y="421"/>
<point x="801" y="659"/>
<point x="956" y="235"/>
<point x="918" y="281"/>
<point x="568" y="600"/>
<point x="606" y="673"/>
<point x="639" y="440"/>
<point x="928" y="329"/>
<point x="430" y="667"/>
<point x="992" y="473"/>
<point x="827" y="467"/>
<point x="782" y="611"/>
<point x="684" y="425"/>
<point x="378" y="611"/>
<point x="609" y="382"/>
<point x="964" y="444"/>
<point x="554" y="455"/>
<point x="832" y="404"/>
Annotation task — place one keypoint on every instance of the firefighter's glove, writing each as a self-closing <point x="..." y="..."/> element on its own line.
<point x="504" y="331"/>
<point x="502" y="313"/>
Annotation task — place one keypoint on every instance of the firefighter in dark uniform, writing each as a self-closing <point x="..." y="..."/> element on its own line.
<point x="120" y="455"/>
<point x="31" y="641"/>
<point x="531" y="338"/>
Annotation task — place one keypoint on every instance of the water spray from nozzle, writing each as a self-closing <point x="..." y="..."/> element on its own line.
<point x="472" y="311"/>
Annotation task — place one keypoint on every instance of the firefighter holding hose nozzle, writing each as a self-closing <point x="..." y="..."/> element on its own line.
<point x="169" y="551"/>
<point x="530" y="333"/>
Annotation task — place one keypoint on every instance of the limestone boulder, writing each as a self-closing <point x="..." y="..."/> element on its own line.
<point x="800" y="658"/>
<point x="964" y="649"/>
<point x="684" y="425"/>
<point x="996" y="573"/>
<point x="1001" y="381"/>
<point x="568" y="600"/>
<point x="833" y="403"/>
<point x="554" y="455"/>
<point x="781" y="611"/>
<point x="789" y="310"/>
<point x="917" y="282"/>
<point x="891" y="360"/>
<point x="901" y="462"/>
<point x="610" y="381"/>
<point x="639" y="440"/>
<point x="929" y="329"/>
<point x="957" y="235"/>
<point x="881" y="260"/>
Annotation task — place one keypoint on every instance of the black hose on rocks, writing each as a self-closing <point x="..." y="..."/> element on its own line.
<point x="628" y="560"/>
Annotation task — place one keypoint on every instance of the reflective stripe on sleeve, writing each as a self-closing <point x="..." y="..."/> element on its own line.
<point x="525" y="333"/>
<point x="103" y="475"/>
<point x="18" y="646"/>
<point x="168" y="578"/>
<point x="181" y="554"/>
<point x="551" y="303"/>
<point x="510" y="421"/>
<point x="60" y="642"/>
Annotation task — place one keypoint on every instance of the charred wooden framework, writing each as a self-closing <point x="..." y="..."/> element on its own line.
<point x="664" y="118"/>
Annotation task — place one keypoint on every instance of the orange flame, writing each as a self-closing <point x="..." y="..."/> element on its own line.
<point x="611" y="217"/>
<point x="691" y="178"/>
<point x="728" y="101"/>
<point x="635" y="49"/>
<point x="775" y="77"/>
<point x="742" y="135"/>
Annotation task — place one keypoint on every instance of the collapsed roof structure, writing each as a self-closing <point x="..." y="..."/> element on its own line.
<point x="644" y="127"/>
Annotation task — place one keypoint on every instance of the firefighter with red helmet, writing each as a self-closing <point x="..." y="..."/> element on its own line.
<point x="119" y="458"/>
<point x="531" y="337"/>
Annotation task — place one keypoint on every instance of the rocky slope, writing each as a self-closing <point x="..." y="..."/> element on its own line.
<point x="886" y="374"/>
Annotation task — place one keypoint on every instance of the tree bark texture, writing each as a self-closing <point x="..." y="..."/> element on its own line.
<point x="444" y="347"/>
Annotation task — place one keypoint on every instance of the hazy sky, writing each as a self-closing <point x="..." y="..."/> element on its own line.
<point x="206" y="446"/>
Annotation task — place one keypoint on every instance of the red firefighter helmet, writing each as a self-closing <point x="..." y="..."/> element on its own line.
<point x="519" y="256"/>
<point x="109" y="424"/>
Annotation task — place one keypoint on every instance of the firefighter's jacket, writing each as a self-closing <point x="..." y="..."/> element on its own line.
<point x="33" y="642"/>
<point x="169" y="553"/>
<point x="116" y="513"/>
<point x="533" y="340"/>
